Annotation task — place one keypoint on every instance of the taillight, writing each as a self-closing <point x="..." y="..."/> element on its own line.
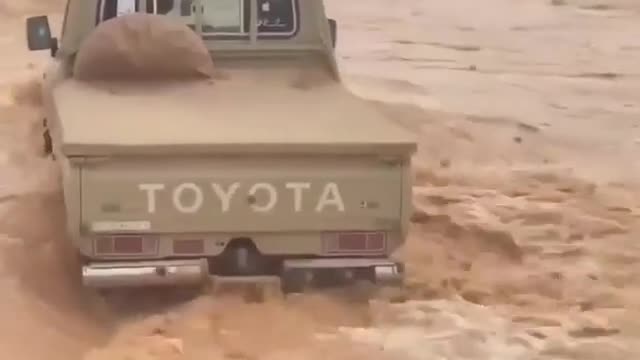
<point x="376" y="241"/>
<point x="124" y="245"/>
<point x="188" y="246"/>
<point x="127" y="245"/>
<point x="355" y="242"/>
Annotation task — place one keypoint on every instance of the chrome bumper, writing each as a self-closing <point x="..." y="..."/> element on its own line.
<point x="196" y="271"/>
<point x="385" y="271"/>
<point x="145" y="273"/>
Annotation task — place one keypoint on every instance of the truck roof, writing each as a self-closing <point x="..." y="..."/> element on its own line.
<point x="250" y="111"/>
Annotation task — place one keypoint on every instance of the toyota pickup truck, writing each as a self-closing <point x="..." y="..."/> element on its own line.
<point x="260" y="174"/>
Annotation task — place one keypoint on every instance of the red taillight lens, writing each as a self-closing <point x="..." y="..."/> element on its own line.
<point x="127" y="245"/>
<point x="352" y="241"/>
<point x="188" y="246"/>
<point x="355" y="242"/>
<point x="376" y="241"/>
<point x="124" y="245"/>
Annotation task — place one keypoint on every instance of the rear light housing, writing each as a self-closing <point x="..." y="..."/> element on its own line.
<point x="355" y="242"/>
<point x="188" y="246"/>
<point x="123" y="245"/>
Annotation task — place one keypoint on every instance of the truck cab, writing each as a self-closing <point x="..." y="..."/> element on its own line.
<point x="275" y="169"/>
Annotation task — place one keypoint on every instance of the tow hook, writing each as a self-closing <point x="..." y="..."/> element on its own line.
<point x="161" y="270"/>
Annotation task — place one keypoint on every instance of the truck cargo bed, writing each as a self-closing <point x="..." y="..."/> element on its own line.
<point x="249" y="112"/>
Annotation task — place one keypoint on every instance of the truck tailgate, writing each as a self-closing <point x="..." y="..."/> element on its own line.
<point x="245" y="194"/>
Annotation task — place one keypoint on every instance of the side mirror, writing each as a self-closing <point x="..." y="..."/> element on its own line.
<point x="333" y="27"/>
<point x="39" y="34"/>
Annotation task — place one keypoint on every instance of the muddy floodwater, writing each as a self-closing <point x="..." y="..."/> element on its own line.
<point x="524" y="243"/>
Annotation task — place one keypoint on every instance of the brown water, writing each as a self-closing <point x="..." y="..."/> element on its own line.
<point x="523" y="245"/>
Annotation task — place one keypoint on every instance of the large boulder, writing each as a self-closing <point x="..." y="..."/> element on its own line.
<point x="142" y="46"/>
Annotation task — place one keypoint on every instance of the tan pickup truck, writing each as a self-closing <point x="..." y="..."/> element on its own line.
<point x="257" y="175"/>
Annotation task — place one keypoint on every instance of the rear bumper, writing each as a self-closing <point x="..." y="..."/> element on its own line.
<point x="384" y="271"/>
<point x="145" y="273"/>
<point x="196" y="271"/>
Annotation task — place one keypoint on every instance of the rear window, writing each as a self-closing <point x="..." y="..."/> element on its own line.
<point x="220" y="18"/>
